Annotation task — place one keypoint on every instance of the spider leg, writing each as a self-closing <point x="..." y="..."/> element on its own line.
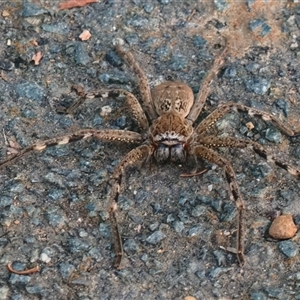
<point x="131" y="100"/>
<point x="211" y="119"/>
<point x="142" y="81"/>
<point x="138" y="154"/>
<point x="105" y="134"/>
<point x="285" y="128"/>
<point x="205" y="87"/>
<point x="217" y="114"/>
<point x="214" y="142"/>
<point x="192" y="174"/>
<point x="217" y="159"/>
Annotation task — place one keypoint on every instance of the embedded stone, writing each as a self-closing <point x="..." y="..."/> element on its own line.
<point x="283" y="227"/>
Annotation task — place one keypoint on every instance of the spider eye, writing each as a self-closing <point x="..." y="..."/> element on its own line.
<point x="178" y="153"/>
<point x="162" y="153"/>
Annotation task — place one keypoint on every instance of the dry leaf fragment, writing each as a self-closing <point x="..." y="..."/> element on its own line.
<point x="34" y="43"/>
<point x="5" y="13"/>
<point x="78" y="89"/>
<point x="37" y="57"/>
<point x="85" y="35"/>
<point x="250" y="125"/>
<point x="75" y="3"/>
<point x="13" y="144"/>
<point x="11" y="151"/>
<point x="3" y="76"/>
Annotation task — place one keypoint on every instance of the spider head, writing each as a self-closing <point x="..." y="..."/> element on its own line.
<point x="170" y="134"/>
<point x="165" y="152"/>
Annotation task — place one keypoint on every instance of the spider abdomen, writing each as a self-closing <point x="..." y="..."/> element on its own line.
<point x="172" y="97"/>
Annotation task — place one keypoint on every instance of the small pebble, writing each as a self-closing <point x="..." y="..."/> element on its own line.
<point x="189" y="298"/>
<point x="273" y="135"/>
<point x="155" y="237"/>
<point x="131" y="247"/>
<point x="31" y="9"/>
<point x="81" y="54"/>
<point x="283" y="227"/>
<point x="220" y="5"/>
<point x="4" y="292"/>
<point x="250" y="125"/>
<point x="59" y="28"/>
<point x="30" y="90"/>
<point x="258" y="85"/>
<point x="85" y="35"/>
<point x="257" y="296"/>
<point x="288" y="248"/>
<point x="45" y="258"/>
<point x="105" y="110"/>
<point x="178" y="226"/>
<point x="66" y="270"/>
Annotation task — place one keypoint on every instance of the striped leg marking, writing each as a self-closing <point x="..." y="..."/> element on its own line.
<point x="105" y="134"/>
<point x="217" y="114"/>
<point x="215" y="142"/>
<point x="139" y="154"/>
<point x="236" y="196"/>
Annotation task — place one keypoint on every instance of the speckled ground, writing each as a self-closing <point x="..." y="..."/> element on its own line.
<point x="54" y="203"/>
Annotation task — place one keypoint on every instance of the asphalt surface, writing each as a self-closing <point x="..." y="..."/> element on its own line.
<point x="54" y="203"/>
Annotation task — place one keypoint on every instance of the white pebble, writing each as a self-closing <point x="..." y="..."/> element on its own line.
<point x="83" y="233"/>
<point x="105" y="110"/>
<point x="45" y="258"/>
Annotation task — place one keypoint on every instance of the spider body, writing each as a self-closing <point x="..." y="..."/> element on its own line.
<point x="171" y="111"/>
<point x="170" y="133"/>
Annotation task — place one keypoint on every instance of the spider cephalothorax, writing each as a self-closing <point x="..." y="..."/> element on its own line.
<point x="171" y="111"/>
<point x="170" y="134"/>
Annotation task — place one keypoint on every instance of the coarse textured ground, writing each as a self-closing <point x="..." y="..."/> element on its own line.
<point x="54" y="203"/>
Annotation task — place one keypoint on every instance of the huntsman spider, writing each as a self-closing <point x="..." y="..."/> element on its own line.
<point x="166" y="116"/>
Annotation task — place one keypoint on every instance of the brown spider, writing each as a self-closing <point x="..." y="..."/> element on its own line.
<point x="171" y="112"/>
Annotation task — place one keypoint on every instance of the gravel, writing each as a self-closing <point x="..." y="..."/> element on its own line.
<point x="54" y="209"/>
